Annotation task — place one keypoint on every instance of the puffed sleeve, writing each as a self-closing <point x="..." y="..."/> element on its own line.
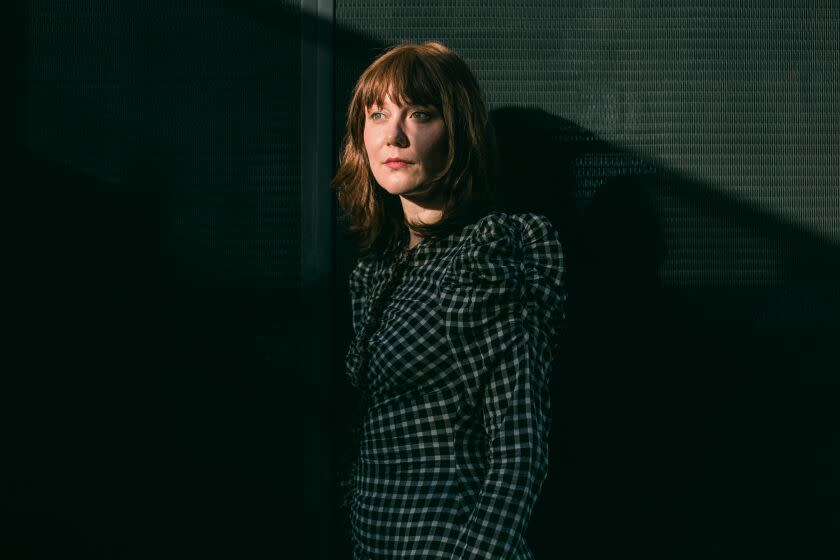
<point x="502" y="297"/>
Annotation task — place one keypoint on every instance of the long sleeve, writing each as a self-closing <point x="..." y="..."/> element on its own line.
<point x="502" y="298"/>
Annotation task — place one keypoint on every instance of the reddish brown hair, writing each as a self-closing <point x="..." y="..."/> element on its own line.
<point x="423" y="74"/>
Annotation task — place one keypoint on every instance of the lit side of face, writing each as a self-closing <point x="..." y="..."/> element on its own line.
<point x="406" y="146"/>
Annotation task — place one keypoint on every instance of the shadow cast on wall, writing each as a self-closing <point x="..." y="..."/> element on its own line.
<point x="677" y="400"/>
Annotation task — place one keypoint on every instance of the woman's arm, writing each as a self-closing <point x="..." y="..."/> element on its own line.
<point x="517" y="419"/>
<point x="501" y="316"/>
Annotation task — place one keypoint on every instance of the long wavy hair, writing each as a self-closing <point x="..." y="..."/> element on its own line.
<point x="427" y="74"/>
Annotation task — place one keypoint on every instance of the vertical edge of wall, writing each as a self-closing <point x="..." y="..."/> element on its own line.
<point x="316" y="306"/>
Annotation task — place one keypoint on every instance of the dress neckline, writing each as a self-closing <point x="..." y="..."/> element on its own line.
<point x="401" y="245"/>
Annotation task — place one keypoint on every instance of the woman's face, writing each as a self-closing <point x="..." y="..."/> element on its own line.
<point x="406" y="146"/>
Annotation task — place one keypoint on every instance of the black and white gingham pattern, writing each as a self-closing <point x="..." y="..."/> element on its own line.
<point x="454" y="441"/>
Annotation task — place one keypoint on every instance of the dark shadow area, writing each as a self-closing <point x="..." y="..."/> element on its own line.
<point x="148" y="411"/>
<point x="693" y="421"/>
<point x="156" y="383"/>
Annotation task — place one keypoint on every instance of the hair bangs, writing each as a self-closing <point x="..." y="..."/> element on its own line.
<point x="405" y="78"/>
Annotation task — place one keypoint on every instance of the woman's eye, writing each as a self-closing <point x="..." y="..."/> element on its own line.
<point x="423" y="115"/>
<point x="376" y="115"/>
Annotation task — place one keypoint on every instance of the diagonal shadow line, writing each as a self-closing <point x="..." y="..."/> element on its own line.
<point x="814" y="266"/>
<point x="357" y="49"/>
<point x="568" y="147"/>
<point x="354" y="50"/>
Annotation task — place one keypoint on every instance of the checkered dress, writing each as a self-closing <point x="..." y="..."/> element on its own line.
<point x="453" y="354"/>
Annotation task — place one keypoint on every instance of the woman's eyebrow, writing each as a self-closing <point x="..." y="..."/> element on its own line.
<point x="378" y="107"/>
<point x="422" y="106"/>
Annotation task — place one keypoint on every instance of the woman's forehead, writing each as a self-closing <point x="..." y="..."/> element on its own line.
<point x="400" y="99"/>
<point x="400" y="90"/>
<point x="387" y="92"/>
<point x="387" y="99"/>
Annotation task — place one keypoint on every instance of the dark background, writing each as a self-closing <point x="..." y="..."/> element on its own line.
<point x="166" y="395"/>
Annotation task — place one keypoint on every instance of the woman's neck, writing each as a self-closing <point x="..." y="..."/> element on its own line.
<point x="413" y="239"/>
<point x="420" y="212"/>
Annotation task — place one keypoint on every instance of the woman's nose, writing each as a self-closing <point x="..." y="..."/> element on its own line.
<point x="396" y="136"/>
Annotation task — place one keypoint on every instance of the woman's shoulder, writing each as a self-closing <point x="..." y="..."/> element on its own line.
<point x="505" y="256"/>
<point x="526" y="231"/>
<point x="506" y="247"/>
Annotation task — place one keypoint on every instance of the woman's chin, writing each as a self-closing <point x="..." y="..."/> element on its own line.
<point x="398" y="190"/>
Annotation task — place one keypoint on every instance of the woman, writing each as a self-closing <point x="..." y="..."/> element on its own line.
<point x="454" y="306"/>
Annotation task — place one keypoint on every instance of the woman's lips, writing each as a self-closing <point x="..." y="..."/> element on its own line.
<point x="397" y="164"/>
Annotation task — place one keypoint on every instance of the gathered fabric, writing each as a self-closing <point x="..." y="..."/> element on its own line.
<point x="453" y="353"/>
